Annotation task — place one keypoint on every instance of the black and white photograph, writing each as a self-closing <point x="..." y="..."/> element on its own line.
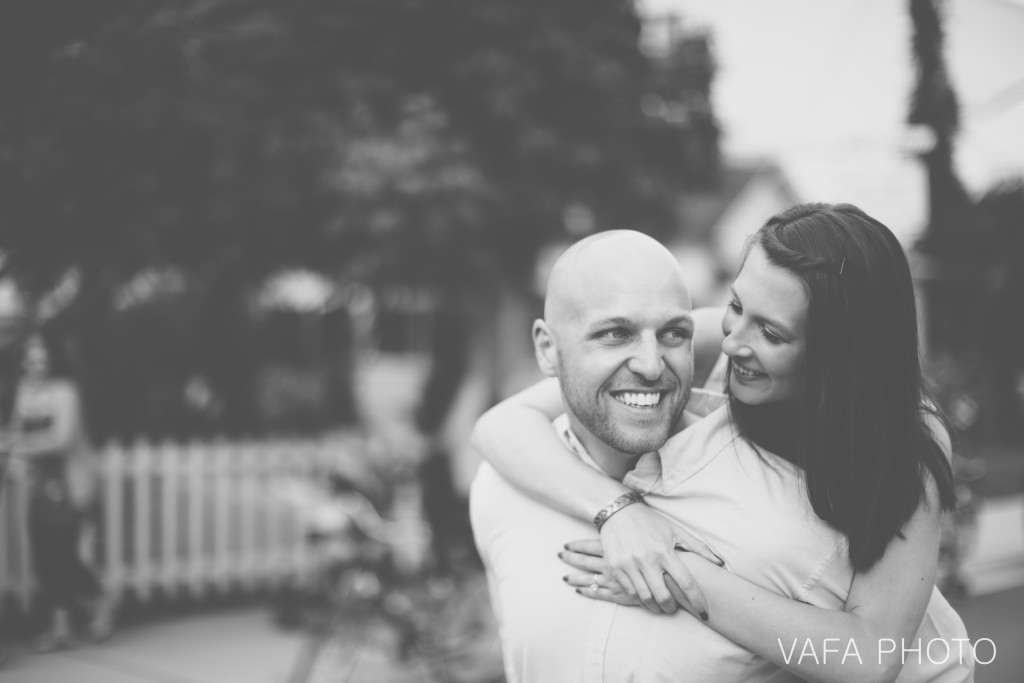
<point x="483" y="341"/>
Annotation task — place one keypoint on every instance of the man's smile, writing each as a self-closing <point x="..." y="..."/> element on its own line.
<point x="638" y="399"/>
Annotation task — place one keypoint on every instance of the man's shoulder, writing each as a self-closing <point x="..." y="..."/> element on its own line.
<point x="703" y="402"/>
<point x="713" y="423"/>
<point x="492" y="499"/>
<point x="691" y="449"/>
<point x="486" y="479"/>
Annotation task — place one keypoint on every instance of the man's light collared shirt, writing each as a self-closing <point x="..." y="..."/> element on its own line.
<point x="551" y="634"/>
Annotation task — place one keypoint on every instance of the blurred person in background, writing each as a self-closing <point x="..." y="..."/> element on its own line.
<point x="51" y="447"/>
<point x="820" y="483"/>
<point x="444" y="508"/>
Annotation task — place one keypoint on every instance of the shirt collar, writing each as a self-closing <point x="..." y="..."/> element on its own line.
<point x="669" y="458"/>
<point x="564" y="430"/>
<point x="649" y="468"/>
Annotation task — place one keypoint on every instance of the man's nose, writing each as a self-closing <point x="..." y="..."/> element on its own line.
<point x="647" y="361"/>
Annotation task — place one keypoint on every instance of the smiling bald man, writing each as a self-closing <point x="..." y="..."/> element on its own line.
<point x="617" y="333"/>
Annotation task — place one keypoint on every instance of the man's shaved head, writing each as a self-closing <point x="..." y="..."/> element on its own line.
<point x="598" y="260"/>
<point x="617" y="333"/>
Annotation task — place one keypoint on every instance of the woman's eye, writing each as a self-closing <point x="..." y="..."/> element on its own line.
<point x="770" y="336"/>
<point x="735" y="306"/>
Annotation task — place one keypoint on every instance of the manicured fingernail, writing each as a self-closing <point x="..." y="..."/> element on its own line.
<point x="579" y="592"/>
<point x="565" y="578"/>
<point x="704" y="615"/>
<point x="566" y="546"/>
<point x="559" y="554"/>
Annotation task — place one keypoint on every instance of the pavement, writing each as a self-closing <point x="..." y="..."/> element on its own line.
<point x="242" y="644"/>
<point x="235" y="645"/>
<point x="999" y="617"/>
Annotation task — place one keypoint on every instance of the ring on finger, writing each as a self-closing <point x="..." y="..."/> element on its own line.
<point x="594" y="585"/>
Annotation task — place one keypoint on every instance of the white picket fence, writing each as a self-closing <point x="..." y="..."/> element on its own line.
<point x="189" y="518"/>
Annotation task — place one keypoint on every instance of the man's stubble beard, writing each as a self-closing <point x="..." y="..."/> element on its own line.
<point x="596" y="420"/>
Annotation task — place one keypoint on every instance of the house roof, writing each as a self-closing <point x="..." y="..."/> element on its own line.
<point x="699" y="211"/>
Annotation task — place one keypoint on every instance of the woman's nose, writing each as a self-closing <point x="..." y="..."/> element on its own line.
<point x="733" y="344"/>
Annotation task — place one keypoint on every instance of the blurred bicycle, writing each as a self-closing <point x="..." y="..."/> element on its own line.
<point x="370" y="599"/>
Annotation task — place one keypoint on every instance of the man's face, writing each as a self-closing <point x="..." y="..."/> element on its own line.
<point x="625" y="360"/>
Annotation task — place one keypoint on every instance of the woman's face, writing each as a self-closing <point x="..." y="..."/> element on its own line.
<point x="765" y="331"/>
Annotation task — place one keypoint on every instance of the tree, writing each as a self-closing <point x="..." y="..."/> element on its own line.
<point x="951" y="238"/>
<point x="431" y="143"/>
<point x="973" y="248"/>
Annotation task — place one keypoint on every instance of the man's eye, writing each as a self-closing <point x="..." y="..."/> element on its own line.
<point x="677" y="334"/>
<point x="735" y="306"/>
<point x="613" y="334"/>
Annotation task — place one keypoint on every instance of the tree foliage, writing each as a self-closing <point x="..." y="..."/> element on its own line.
<point x="974" y="247"/>
<point x="411" y="141"/>
<point x="199" y="131"/>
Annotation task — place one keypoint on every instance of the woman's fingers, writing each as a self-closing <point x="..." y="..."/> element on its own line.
<point x="690" y="543"/>
<point x="585" y="563"/>
<point x="584" y="580"/>
<point x="589" y="546"/>
<point x="641" y="549"/>
<point x="642" y="582"/>
<point x="684" y="590"/>
<point x="606" y="595"/>
<point x="661" y="593"/>
<point x="651" y="590"/>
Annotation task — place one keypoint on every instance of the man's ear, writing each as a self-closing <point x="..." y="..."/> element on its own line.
<point x="544" y="348"/>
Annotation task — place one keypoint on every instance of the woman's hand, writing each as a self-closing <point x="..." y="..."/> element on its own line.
<point x="640" y="546"/>
<point x="657" y="580"/>
<point x="597" y="581"/>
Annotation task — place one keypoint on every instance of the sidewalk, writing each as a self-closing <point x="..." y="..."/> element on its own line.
<point x="1000" y="618"/>
<point x="995" y="560"/>
<point x="240" y="645"/>
<point x="243" y="646"/>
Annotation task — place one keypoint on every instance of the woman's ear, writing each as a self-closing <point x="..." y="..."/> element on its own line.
<point x="544" y="348"/>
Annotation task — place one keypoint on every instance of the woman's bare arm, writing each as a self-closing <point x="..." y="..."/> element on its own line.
<point x="517" y="439"/>
<point x="885" y="605"/>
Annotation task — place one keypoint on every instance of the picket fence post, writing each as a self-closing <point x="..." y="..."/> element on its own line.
<point x="112" y="466"/>
<point x="192" y="517"/>
<point x="169" y="466"/>
<point x="140" y="472"/>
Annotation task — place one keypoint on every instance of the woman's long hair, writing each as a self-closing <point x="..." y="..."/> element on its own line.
<point x="859" y="427"/>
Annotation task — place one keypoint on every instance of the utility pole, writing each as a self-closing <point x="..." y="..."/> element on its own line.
<point x="948" y="246"/>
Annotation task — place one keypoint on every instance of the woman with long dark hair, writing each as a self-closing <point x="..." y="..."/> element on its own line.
<point x="826" y="451"/>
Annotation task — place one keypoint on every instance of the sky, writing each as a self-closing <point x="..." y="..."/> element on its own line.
<point x="822" y="88"/>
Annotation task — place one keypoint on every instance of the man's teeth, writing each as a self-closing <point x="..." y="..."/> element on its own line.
<point x="639" y="399"/>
